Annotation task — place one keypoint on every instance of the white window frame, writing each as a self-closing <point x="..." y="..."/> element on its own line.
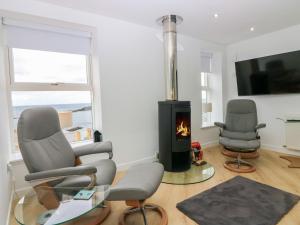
<point x="215" y="94"/>
<point x="59" y="86"/>
<point x="92" y="85"/>
<point x="35" y="86"/>
<point x="208" y="90"/>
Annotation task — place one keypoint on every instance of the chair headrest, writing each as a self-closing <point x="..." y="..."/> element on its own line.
<point x="241" y="106"/>
<point x="38" y="123"/>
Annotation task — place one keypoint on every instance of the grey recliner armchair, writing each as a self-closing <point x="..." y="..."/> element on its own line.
<point x="52" y="162"/>
<point x="48" y="155"/>
<point x="239" y="134"/>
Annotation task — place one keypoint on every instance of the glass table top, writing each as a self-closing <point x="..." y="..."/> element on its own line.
<point x="195" y="174"/>
<point x="53" y="206"/>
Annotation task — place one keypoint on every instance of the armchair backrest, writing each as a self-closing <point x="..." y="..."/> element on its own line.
<point x="42" y="142"/>
<point x="241" y="115"/>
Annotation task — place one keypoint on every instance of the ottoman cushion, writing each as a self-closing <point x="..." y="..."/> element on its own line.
<point x="241" y="145"/>
<point x="247" y="136"/>
<point x="139" y="183"/>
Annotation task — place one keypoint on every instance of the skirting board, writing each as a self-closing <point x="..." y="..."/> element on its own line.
<point x="280" y="149"/>
<point x="210" y="144"/>
<point x="125" y="166"/>
<point x="267" y="147"/>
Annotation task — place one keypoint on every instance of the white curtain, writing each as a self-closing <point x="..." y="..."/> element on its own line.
<point x="206" y="61"/>
<point x="29" y="35"/>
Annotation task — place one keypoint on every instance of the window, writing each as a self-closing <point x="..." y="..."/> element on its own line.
<point x="53" y="70"/>
<point x="205" y="89"/>
<point x="41" y="78"/>
<point x="206" y="104"/>
<point x="211" y="88"/>
<point x="29" y="66"/>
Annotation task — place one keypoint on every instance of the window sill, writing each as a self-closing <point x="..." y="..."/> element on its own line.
<point x="16" y="157"/>
<point x="80" y="143"/>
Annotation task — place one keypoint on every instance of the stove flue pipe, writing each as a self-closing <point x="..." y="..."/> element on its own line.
<point x="169" y="23"/>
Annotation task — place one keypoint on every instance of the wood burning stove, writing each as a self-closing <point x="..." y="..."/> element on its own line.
<point x="175" y="135"/>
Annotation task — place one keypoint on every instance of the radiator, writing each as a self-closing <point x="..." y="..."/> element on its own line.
<point x="292" y="133"/>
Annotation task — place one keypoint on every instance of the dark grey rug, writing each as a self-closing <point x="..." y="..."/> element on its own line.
<point x="239" y="201"/>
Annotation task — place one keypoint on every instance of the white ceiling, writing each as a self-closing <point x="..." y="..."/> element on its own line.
<point x="233" y="24"/>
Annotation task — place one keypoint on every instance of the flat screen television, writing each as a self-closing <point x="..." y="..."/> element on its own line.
<point x="276" y="74"/>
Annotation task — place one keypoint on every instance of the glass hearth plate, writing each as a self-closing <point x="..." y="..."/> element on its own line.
<point x="195" y="174"/>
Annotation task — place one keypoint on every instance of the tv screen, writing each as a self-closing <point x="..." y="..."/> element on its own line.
<point x="276" y="74"/>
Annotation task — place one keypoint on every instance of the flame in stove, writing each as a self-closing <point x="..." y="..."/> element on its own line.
<point x="183" y="130"/>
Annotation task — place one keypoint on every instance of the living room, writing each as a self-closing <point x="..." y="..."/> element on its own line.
<point x="111" y="70"/>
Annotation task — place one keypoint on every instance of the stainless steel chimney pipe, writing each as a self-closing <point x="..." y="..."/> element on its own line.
<point x="170" y="54"/>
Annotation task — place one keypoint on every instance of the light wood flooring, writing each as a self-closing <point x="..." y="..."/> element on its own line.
<point x="271" y="170"/>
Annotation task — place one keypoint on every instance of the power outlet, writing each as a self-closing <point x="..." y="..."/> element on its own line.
<point x="157" y="155"/>
<point x="8" y="168"/>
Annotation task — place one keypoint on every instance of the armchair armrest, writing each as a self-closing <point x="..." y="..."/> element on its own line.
<point x="259" y="126"/>
<point x="219" y="124"/>
<point x="94" y="148"/>
<point x="62" y="172"/>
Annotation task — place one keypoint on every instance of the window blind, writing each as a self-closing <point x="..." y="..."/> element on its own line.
<point x="29" y="35"/>
<point x="206" y="60"/>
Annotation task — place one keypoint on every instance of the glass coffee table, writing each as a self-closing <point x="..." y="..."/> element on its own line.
<point x="53" y="206"/>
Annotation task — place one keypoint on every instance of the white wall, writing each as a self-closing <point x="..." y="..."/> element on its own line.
<point x="132" y="81"/>
<point x="5" y="190"/>
<point x="270" y="106"/>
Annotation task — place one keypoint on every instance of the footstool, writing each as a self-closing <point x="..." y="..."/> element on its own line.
<point x="139" y="183"/>
<point x="240" y="149"/>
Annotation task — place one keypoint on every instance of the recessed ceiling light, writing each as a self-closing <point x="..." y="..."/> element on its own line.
<point x="216" y="15"/>
<point x="251" y="28"/>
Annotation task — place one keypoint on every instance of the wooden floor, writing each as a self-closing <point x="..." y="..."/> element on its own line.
<point x="271" y="170"/>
